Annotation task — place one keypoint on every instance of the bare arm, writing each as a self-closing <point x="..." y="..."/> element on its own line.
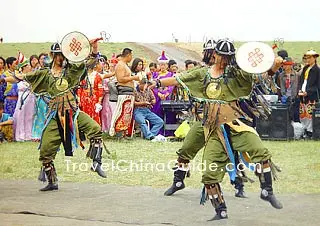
<point x="121" y="75"/>
<point x="165" y="82"/>
<point x="109" y="75"/>
<point x="276" y="65"/>
<point x="140" y="104"/>
<point x="169" y="82"/>
<point x="94" y="45"/>
<point x="12" y="79"/>
<point x="153" y="99"/>
<point x="8" y="122"/>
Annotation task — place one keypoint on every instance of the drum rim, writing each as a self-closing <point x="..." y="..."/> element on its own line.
<point x="253" y="42"/>
<point x="69" y="34"/>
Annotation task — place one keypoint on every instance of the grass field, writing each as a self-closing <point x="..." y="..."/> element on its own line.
<point x="299" y="161"/>
<point x="295" y="49"/>
<point x="28" y="49"/>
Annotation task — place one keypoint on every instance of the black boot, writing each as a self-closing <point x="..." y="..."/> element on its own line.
<point x="178" y="184"/>
<point x="309" y="135"/>
<point x="48" y="172"/>
<point x="267" y="191"/>
<point x="221" y="212"/>
<point x="239" y="186"/>
<point x="95" y="153"/>
<point x="216" y="197"/>
<point x="96" y="167"/>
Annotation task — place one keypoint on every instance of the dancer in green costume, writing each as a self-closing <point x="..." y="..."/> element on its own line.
<point x="219" y="89"/>
<point x="195" y="141"/>
<point x="64" y="120"/>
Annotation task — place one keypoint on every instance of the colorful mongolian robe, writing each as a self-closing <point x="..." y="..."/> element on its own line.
<point x="166" y="92"/>
<point x="10" y="95"/>
<point x="106" y="112"/>
<point x="24" y="113"/>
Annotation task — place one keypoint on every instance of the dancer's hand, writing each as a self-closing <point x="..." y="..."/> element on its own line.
<point x="277" y="63"/>
<point x="98" y="107"/>
<point x="302" y="94"/>
<point x="152" y="84"/>
<point x="94" y="45"/>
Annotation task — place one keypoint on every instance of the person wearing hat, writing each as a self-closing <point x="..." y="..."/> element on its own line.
<point x="64" y="120"/>
<point x="24" y="113"/>
<point x="289" y="81"/>
<point x="195" y="141"/>
<point x="276" y="77"/>
<point x="309" y="90"/>
<point x="163" y="93"/>
<point x="219" y="89"/>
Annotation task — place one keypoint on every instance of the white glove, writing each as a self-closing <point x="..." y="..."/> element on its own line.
<point x="98" y="107"/>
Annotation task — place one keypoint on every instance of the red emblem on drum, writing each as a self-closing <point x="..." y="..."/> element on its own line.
<point x="75" y="46"/>
<point x="255" y="57"/>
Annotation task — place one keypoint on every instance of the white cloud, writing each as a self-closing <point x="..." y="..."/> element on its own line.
<point x="155" y="20"/>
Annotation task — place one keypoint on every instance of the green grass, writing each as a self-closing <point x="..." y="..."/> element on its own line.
<point x="299" y="161"/>
<point x="295" y="49"/>
<point x="28" y="49"/>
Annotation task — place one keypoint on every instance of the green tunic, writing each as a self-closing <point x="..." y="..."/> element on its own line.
<point x="235" y="88"/>
<point x="43" y="82"/>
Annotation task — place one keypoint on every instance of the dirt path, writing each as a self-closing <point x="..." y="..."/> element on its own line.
<point x="105" y="204"/>
<point x="172" y="52"/>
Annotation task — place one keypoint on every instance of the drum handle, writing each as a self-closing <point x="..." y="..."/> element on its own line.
<point x="97" y="39"/>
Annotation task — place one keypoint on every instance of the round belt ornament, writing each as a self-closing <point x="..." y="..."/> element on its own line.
<point x="213" y="90"/>
<point x="62" y="84"/>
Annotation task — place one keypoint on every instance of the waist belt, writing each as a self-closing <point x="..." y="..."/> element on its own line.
<point x="125" y="90"/>
<point x="12" y="97"/>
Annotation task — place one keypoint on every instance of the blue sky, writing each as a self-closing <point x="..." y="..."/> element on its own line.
<point x="156" y="21"/>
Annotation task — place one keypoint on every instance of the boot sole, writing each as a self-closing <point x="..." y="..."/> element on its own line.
<point x="276" y="207"/>
<point x="52" y="189"/>
<point x="101" y="175"/>
<point x="169" y="194"/>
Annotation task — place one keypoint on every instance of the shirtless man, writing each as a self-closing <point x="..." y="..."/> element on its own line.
<point x="121" y="119"/>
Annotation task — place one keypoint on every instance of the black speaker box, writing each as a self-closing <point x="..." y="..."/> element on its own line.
<point x="316" y="124"/>
<point x="277" y="126"/>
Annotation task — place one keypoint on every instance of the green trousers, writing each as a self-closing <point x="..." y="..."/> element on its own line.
<point x="215" y="157"/>
<point x="193" y="142"/>
<point x="51" y="140"/>
<point x="215" y="154"/>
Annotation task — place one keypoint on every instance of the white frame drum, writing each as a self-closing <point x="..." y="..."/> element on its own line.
<point x="255" y="57"/>
<point x="75" y="46"/>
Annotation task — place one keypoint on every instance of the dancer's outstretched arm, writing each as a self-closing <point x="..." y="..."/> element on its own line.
<point x="165" y="82"/>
